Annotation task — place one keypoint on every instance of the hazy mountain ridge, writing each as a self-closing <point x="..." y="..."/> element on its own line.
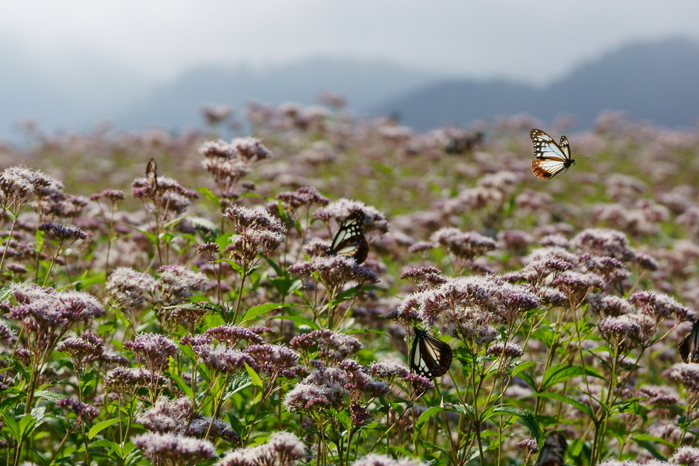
<point x="649" y="80"/>
<point x="653" y="81"/>
<point x="363" y="83"/>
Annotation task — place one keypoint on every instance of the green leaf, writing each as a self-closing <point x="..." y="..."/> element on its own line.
<point x="150" y="236"/>
<point x="545" y="334"/>
<point x="582" y="407"/>
<point x="39" y="240"/>
<point x="650" y="438"/>
<point x="525" y="416"/>
<point x="522" y="367"/>
<point x="234" y="265"/>
<point x="97" y="428"/>
<point x="26" y="423"/>
<point x="646" y="441"/>
<point x="208" y="194"/>
<point x="182" y="385"/>
<point x="529" y="379"/>
<point x="254" y="378"/>
<point x="278" y="270"/>
<point x="424" y="417"/>
<point x="561" y="372"/>
<point x="299" y="320"/>
<point x="12" y="425"/>
<point x="49" y="395"/>
<point x="255" y="311"/>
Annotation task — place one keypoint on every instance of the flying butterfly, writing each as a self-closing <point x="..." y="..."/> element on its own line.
<point x="550" y="158"/>
<point x="429" y="356"/>
<point x="349" y="239"/>
<point x="553" y="451"/>
<point x="689" y="348"/>
<point x="151" y="174"/>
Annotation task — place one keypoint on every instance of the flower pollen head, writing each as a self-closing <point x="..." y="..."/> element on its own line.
<point x="152" y="350"/>
<point x="174" y="449"/>
<point x="464" y="245"/>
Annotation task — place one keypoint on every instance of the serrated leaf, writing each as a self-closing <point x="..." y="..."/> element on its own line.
<point x="49" y="395"/>
<point x="525" y="416"/>
<point x="99" y="427"/>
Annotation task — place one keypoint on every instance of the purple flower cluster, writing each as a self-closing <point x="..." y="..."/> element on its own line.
<point x="463" y="245"/>
<point x="282" y="449"/>
<point x="130" y="290"/>
<point x="174" y="449"/>
<point x="179" y="417"/>
<point x="46" y="314"/>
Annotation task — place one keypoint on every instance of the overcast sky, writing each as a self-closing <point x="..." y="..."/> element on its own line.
<point x="533" y="41"/>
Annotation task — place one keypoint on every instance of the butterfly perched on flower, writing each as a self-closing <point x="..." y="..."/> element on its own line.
<point x="551" y="158"/>
<point x="349" y="239"/>
<point x="553" y="451"/>
<point x="151" y="174"/>
<point x="689" y="348"/>
<point x="429" y="356"/>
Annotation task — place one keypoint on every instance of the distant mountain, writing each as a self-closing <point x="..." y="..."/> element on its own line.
<point x="68" y="96"/>
<point x="363" y="83"/>
<point x="654" y="81"/>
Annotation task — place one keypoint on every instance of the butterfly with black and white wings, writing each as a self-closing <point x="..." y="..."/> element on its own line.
<point x="553" y="451"/>
<point x="429" y="356"/>
<point x="551" y="158"/>
<point x="349" y="239"/>
<point x="689" y="347"/>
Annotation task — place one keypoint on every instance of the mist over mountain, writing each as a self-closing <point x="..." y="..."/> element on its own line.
<point x="363" y="83"/>
<point x="69" y="96"/>
<point x="653" y="81"/>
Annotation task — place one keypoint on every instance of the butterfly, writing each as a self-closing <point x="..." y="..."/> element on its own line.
<point x="429" y="356"/>
<point x="349" y="239"/>
<point x="689" y="348"/>
<point x="554" y="448"/>
<point x="151" y="174"/>
<point x="550" y="158"/>
<point x="464" y="143"/>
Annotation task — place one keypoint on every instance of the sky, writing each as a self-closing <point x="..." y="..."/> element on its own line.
<point x="530" y="41"/>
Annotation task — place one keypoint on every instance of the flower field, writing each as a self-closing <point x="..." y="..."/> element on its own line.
<point x="190" y="313"/>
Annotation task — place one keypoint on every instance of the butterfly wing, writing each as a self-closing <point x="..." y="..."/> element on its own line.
<point x="553" y="451"/>
<point x="349" y="239"/>
<point x="429" y="356"/>
<point x="689" y="347"/>
<point x="151" y="173"/>
<point x="550" y="158"/>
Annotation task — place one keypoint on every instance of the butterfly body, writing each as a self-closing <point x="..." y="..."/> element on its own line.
<point x="689" y="347"/>
<point x="349" y="239"/>
<point x="429" y="356"/>
<point x="553" y="451"/>
<point x="551" y="157"/>
<point x="151" y="174"/>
